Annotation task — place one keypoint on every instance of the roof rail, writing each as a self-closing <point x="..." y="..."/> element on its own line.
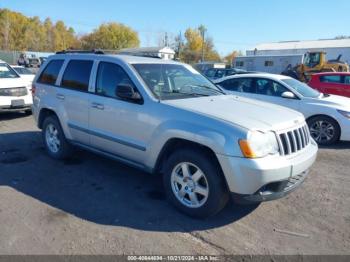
<point x="94" y="51"/>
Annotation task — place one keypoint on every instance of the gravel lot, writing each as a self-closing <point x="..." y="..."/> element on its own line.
<point x="92" y="205"/>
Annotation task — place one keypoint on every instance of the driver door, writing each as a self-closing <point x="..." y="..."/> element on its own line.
<point x="117" y="126"/>
<point x="271" y="91"/>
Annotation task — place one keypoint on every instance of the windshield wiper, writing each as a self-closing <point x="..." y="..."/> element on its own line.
<point x="184" y="93"/>
<point x="209" y="88"/>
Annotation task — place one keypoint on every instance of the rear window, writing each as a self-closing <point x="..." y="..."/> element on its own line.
<point x="77" y="75"/>
<point x="50" y="73"/>
<point x="330" y="79"/>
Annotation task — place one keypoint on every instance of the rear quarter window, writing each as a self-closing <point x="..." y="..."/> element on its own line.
<point x="77" y="75"/>
<point x="330" y="79"/>
<point x="50" y="73"/>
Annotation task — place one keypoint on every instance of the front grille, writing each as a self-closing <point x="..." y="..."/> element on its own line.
<point x="14" y="91"/>
<point x="293" y="140"/>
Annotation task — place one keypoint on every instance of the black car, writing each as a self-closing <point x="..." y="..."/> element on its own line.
<point x="215" y="73"/>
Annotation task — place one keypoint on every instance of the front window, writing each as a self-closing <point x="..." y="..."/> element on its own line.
<point x="175" y="81"/>
<point x="7" y="72"/>
<point x="301" y="88"/>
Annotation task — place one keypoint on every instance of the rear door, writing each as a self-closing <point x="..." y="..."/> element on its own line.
<point x="73" y="95"/>
<point x="332" y="84"/>
<point x="347" y="86"/>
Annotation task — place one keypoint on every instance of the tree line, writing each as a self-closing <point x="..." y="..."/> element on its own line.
<point x="21" y="33"/>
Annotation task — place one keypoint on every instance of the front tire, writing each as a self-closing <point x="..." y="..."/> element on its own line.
<point x="324" y="130"/>
<point x="194" y="183"/>
<point x="54" y="139"/>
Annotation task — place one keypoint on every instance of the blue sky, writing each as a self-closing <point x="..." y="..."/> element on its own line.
<point x="238" y="25"/>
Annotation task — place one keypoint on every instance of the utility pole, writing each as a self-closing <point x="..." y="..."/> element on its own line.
<point x="202" y="31"/>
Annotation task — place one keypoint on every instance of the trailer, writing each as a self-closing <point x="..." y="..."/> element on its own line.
<point x="274" y="64"/>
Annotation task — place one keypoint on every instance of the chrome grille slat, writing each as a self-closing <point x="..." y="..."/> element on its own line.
<point x="293" y="140"/>
<point x="303" y="142"/>
<point x="288" y="144"/>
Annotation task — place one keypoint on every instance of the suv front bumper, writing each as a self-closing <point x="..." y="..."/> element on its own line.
<point x="268" y="178"/>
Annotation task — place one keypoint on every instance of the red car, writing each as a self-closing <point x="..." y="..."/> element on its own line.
<point x="336" y="83"/>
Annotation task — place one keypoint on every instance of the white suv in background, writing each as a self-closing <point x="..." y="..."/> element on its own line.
<point x="166" y="118"/>
<point x="15" y="92"/>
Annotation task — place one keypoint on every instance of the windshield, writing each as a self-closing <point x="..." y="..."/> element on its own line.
<point x="23" y="71"/>
<point x="302" y="88"/>
<point x="7" y="72"/>
<point x="172" y="81"/>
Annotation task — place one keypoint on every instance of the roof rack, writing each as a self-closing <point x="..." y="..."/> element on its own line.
<point x="103" y="52"/>
<point x="94" y="51"/>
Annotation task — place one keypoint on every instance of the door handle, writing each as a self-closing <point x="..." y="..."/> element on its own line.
<point x="60" y="96"/>
<point x="97" y="106"/>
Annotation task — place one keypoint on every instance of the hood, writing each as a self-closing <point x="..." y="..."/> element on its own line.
<point x="13" y="82"/>
<point x="245" y="112"/>
<point x="333" y="101"/>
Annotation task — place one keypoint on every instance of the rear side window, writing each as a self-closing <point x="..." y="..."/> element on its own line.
<point x="109" y="76"/>
<point x="239" y="85"/>
<point x="330" y="79"/>
<point x="77" y="75"/>
<point x="50" y="73"/>
<point x="347" y="80"/>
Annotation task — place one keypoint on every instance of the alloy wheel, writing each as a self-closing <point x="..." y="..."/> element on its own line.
<point x="190" y="185"/>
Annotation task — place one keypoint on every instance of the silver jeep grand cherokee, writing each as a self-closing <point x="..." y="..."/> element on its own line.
<point x="166" y="118"/>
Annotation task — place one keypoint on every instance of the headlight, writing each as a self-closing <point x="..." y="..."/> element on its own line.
<point x="344" y="113"/>
<point x="259" y="144"/>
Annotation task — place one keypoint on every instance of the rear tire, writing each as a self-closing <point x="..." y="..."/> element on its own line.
<point x="54" y="139"/>
<point x="324" y="130"/>
<point x="194" y="183"/>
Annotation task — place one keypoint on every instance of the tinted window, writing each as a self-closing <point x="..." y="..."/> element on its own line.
<point x="269" y="87"/>
<point x="220" y="73"/>
<point x="77" y="75"/>
<point x="239" y="85"/>
<point x="109" y="76"/>
<point x="347" y="80"/>
<point x="210" y="72"/>
<point x="330" y="79"/>
<point x="239" y="63"/>
<point x="50" y="73"/>
<point x="268" y="63"/>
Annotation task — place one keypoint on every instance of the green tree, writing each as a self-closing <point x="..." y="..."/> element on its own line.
<point x="112" y="36"/>
<point x="192" y="50"/>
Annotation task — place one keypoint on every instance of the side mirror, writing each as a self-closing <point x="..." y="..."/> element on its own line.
<point x="126" y="92"/>
<point x="288" y="95"/>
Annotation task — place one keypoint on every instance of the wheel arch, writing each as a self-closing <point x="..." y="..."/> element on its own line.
<point x="173" y="143"/>
<point x="45" y="112"/>
<point x="324" y="115"/>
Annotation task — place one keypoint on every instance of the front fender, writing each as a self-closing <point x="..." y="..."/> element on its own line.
<point x="219" y="140"/>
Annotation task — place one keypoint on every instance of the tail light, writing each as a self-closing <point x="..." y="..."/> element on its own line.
<point x="33" y="89"/>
